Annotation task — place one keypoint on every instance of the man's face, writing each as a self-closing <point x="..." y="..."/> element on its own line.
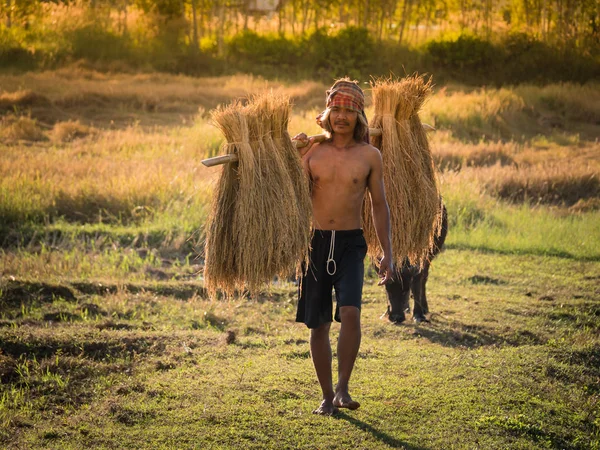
<point x="342" y="120"/>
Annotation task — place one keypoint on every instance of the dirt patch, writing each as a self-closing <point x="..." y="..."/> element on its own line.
<point x="16" y="293"/>
<point x="92" y="310"/>
<point x="40" y="347"/>
<point x="483" y="279"/>
<point x="61" y="316"/>
<point x="182" y="291"/>
<point x="8" y="369"/>
<point x="110" y="325"/>
<point x="129" y="416"/>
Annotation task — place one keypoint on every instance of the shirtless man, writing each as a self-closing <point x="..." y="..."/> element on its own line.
<point x="341" y="170"/>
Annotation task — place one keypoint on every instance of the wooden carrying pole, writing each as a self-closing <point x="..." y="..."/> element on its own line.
<point x="232" y="157"/>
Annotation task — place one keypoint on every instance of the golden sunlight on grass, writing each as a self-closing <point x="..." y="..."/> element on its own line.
<point x="70" y="130"/>
<point x="92" y="147"/>
<point x="20" y="128"/>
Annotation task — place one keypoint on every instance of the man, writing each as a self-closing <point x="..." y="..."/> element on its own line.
<point x="341" y="169"/>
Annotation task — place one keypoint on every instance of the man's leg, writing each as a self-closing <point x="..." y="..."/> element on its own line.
<point x="347" y="349"/>
<point x="320" y="351"/>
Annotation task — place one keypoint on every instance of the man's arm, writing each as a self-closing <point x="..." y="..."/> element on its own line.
<point x="381" y="216"/>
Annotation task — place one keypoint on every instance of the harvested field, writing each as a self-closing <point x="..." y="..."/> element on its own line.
<point x="109" y="339"/>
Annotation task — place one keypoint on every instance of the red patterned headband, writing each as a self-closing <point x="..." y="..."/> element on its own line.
<point x="346" y="94"/>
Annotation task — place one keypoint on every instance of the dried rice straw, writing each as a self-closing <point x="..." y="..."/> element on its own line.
<point x="409" y="178"/>
<point x="266" y="209"/>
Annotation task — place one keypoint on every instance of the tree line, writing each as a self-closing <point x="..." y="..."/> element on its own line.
<point x="573" y="23"/>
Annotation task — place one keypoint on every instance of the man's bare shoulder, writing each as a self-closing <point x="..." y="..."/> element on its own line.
<point x="372" y="153"/>
<point x="369" y="148"/>
<point x="316" y="148"/>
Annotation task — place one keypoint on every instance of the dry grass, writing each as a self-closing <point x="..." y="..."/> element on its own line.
<point x="106" y="178"/>
<point x="455" y="156"/>
<point x="9" y="101"/>
<point x="551" y="184"/>
<point x="516" y="113"/>
<point x="109" y="99"/>
<point x="20" y="128"/>
<point x="259" y="226"/>
<point x="571" y="101"/>
<point x="71" y="130"/>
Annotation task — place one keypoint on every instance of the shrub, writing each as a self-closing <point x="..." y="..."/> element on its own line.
<point x="465" y="54"/>
<point x="96" y="43"/>
<point x="12" y="51"/>
<point x="350" y="52"/>
<point x="249" y="47"/>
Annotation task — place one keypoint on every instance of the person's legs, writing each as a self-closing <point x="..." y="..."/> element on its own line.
<point x="347" y="350"/>
<point x="320" y="351"/>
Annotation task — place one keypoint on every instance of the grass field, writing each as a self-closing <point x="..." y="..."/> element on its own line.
<point x="108" y="339"/>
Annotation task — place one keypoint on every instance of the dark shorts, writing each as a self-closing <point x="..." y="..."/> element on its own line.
<point x="315" y="304"/>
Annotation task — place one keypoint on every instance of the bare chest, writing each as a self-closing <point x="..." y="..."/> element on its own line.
<point x="342" y="170"/>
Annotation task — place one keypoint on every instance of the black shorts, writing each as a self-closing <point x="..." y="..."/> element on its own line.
<point x="344" y="272"/>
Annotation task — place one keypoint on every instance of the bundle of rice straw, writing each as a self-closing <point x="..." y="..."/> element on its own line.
<point x="408" y="172"/>
<point x="279" y="111"/>
<point x="259" y="226"/>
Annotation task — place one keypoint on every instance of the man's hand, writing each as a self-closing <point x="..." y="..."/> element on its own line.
<point x="386" y="270"/>
<point x="306" y="141"/>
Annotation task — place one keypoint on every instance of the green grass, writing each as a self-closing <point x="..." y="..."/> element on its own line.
<point x="526" y="230"/>
<point x="510" y="359"/>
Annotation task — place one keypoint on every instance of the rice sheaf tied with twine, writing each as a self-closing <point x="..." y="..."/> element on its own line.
<point x="260" y="220"/>
<point x="409" y="175"/>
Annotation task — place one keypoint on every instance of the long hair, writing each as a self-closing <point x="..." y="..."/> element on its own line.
<point x="360" y="129"/>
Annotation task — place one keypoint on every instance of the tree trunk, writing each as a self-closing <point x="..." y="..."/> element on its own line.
<point x="220" y="29"/>
<point x="559" y="20"/>
<point x="280" y="23"/>
<point x="406" y="10"/>
<point x="8" y="16"/>
<point x="487" y="18"/>
<point x="427" y="26"/>
<point x="463" y="14"/>
<point x="305" y="11"/>
<point x="196" y="41"/>
<point x="125" y="30"/>
<point x="417" y="25"/>
<point x="293" y="21"/>
<point x="527" y="11"/>
<point x="201" y="23"/>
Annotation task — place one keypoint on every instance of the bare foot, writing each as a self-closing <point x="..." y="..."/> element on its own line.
<point x="326" y="408"/>
<point x="343" y="400"/>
